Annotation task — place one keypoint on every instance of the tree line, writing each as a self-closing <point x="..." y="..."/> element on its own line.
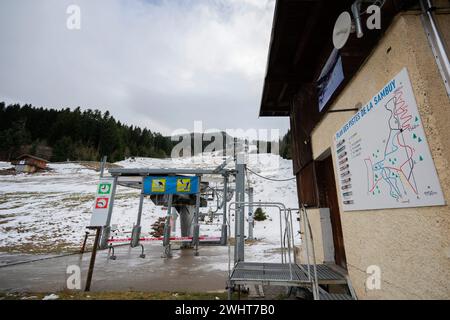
<point x="60" y="135"/>
<point x="74" y="135"/>
<point x="286" y="145"/>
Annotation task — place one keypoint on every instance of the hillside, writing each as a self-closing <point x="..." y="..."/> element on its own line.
<point x="61" y="135"/>
<point x="64" y="134"/>
<point x="48" y="212"/>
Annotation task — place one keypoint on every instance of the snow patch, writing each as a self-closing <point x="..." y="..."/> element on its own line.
<point x="51" y="297"/>
<point x="55" y="206"/>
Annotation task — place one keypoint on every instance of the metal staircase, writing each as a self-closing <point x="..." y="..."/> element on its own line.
<point x="311" y="276"/>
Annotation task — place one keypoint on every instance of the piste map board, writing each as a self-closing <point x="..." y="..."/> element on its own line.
<point x="171" y="185"/>
<point x="382" y="155"/>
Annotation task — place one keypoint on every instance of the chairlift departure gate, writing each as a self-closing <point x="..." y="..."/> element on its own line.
<point x="287" y="273"/>
<point x="186" y="203"/>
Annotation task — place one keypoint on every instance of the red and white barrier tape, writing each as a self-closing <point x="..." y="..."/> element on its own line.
<point x="162" y="238"/>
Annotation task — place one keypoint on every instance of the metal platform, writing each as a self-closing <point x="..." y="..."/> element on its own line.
<point x="326" y="275"/>
<point x="334" y="296"/>
<point x="280" y="274"/>
<point x="319" y="279"/>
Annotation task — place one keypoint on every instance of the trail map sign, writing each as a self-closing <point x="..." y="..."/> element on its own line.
<point x="382" y="155"/>
<point x="171" y="185"/>
<point x="102" y="202"/>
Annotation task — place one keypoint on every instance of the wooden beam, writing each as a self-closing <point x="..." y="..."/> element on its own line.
<point x="310" y="26"/>
<point x="282" y="92"/>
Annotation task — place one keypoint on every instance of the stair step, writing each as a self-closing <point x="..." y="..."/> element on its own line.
<point x="255" y="291"/>
<point x="334" y="296"/>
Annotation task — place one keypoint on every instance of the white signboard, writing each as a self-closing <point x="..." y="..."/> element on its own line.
<point x="102" y="202"/>
<point x="382" y="155"/>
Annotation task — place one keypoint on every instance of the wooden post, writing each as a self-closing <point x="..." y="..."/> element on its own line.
<point x="83" y="247"/>
<point x="92" y="262"/>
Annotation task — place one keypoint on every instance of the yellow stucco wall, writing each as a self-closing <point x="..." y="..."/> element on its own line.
<point x="412" y="245"/>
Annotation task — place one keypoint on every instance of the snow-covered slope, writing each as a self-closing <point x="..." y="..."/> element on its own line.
<point x="49" y="211"/>
<point x="5" y="165"/>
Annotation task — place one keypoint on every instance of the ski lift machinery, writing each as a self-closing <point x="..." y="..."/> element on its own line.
<point x="187" y="204"/>
<point x="287" y="273"/>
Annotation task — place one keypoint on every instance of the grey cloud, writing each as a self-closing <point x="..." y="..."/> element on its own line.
<point x="159" y="64"/>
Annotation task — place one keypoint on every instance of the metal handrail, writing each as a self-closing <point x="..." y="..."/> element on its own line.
<point x="308" y="231"/>
<point x="309" y="238"/>
<point x="282" y="208"/>
<point x="289" y="235"/>
<point x="248" y="204"/>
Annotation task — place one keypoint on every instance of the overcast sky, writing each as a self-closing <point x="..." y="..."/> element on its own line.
<point x="157" y="64"/>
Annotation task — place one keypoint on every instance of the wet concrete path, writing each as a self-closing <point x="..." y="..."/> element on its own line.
<point x="182" y="273"/>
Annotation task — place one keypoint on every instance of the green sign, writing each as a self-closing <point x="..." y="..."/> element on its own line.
<point x="104" y="188"/>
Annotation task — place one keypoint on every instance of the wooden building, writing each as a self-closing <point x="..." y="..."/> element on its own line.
<point x="390" y="251"/>
<point x="29" y="164"/>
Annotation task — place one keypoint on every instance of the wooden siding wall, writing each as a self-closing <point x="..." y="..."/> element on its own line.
<point x="304" y="116"/>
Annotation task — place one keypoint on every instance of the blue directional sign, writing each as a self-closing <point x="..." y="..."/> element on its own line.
<point x="171" y="185"/>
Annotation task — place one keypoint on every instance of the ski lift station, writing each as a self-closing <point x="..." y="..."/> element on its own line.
<point x="184" y="192"/>
<point x="365" y="85"/>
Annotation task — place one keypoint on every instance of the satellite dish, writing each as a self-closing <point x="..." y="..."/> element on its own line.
<point x="342" y="29"/>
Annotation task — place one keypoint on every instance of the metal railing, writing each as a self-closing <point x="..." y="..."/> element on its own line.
<point x="287" y="240"/>
<point x="310" y="240"/>
<point x="282" y="210"/>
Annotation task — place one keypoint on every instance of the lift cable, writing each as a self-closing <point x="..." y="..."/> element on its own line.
<point x="271" y="179"/>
